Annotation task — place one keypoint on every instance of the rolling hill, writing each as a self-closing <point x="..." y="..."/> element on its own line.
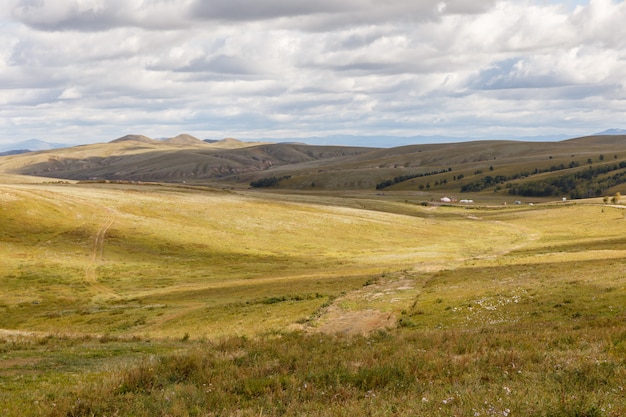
<point x="477" y="166"/>
<point x="183" y="158"/>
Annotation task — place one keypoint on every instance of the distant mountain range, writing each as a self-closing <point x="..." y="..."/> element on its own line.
<point x="611" y="132"/>
<point x="33" y="145"/>
<point x="30" y="145"/>
<point x="386" y="141"/>
<point x="14" y="152"/>
<point x="377" y="141"/>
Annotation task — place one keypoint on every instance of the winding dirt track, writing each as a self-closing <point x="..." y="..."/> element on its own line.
<point x="91" y="277"/>
<point x="97" y="250"/>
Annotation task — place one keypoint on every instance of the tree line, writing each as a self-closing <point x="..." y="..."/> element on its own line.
<point x="402" y="178"/>
<point x="268" y="182"/>
<point x="582" y="184"/>
<point x="491" y="181"/>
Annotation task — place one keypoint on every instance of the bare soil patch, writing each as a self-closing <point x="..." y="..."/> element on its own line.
<point x="361" y="318"/>
<point x="351" y="323"/>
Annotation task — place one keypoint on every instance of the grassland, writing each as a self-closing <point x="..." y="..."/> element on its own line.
<point x="153" y="300"/>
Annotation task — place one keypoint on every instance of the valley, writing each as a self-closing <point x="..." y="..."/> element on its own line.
<point x="210" y="297"/>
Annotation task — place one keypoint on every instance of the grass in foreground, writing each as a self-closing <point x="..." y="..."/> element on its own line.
<point x="506" y="371"/>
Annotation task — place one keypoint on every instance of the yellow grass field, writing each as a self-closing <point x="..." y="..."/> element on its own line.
<point x="162" y="258"/>
<point x="129" y="271"/>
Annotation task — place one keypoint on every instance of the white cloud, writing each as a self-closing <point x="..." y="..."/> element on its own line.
<point x="262" y="68"/>
<point x="71" y="93"/>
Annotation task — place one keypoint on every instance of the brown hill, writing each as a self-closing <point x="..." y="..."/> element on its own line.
<point x="184" y="139"/>
<point x="137" y="159"/>
<point x="610" y="140"/>
<point x="231" y="143"/>
<point x="444" y="168"/>
<point x="134" y="138"/>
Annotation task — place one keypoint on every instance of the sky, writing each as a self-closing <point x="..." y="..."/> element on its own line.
<point x="84" y="71"/>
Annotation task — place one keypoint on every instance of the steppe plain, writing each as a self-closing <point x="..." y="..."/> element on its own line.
<point x="201" y="297"/>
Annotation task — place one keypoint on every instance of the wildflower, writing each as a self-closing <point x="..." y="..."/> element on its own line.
<point x="506" y="412"/>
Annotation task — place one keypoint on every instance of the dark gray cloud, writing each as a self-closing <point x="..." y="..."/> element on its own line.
<point x="100" y="15"/>
<point x="325" y="15"/>
<point x="241" y="10"/>
<point x="221" y="64"/>
<point x="356" y="40"/>
<point x="64" y="15"/>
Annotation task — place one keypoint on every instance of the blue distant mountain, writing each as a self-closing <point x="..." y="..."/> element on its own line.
<point x="31" y="145"/>
<point x="611" y="132"/>
<point x="346" y="140"/>
<point x="14" y="152"/>
<point x="392" y="141"/>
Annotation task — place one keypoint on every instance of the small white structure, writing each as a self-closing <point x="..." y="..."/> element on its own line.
<point x="466" y="201"/>
<point x="446" y="200"/>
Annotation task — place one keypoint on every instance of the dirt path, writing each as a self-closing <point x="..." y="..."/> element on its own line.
<point x="351" y="314"/>
<point x="340" y="318"/>
<point x="61" y="196"/>
<point x="351" y="323"/>
<point x="97" y="252"/>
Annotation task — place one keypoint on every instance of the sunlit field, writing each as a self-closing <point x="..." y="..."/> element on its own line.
<point x="129" y="299"/>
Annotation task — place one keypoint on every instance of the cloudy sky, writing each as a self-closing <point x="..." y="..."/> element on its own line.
<point x="82" y="71"/>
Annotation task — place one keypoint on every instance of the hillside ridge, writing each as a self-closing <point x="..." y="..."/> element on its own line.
<point x="134" y="138"/>
<point x="447" y="168"/>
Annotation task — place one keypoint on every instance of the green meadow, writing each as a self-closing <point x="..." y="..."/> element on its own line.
<point x="170" y="300"/>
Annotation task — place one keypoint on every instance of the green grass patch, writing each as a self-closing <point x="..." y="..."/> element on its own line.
<point x="435" y="372"/>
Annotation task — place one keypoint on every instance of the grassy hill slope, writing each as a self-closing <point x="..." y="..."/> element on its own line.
<point x="439" y="169"/>
<point x="97" y="249"/>
<point x="152" y="299"/>
<point x="140" y="160"/>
